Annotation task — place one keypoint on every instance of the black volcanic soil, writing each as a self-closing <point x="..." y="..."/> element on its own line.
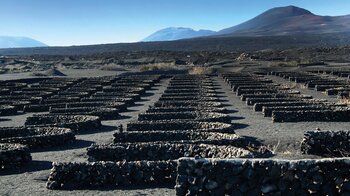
<point x="283" y="138"/>
<point x="31" y="179"/>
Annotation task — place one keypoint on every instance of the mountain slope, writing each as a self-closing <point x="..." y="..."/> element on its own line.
<point x="229" y="44"/>
<point x="287" y="21"/>
<point x="176" y="33"/>
<point x="19" y="42"/>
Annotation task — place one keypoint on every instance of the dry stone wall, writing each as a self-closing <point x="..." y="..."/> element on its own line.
<point x="263" y="177"/>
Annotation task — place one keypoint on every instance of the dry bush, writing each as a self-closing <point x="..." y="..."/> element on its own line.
<point x="200" y="70"/>
<point x="344" y="101"/>
<point x="283" y="64"/>
<point x="243" y="57"/>
<point x="158" y="66"/>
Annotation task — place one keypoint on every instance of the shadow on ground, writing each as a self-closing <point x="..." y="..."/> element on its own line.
<point x="104" y="128"/>
<point x="33" y="166"/>
<point x="240" y="126"/>
<point x="148" y="94"/>
<point x="120" y="187"/>
<point x="74" y="145"/>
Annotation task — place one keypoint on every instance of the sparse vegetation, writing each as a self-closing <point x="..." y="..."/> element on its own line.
<point x="283" y="63"/>
<point x="157" y="67"/>
<point x="344" y="101"/>
<point x="200" y="70"/>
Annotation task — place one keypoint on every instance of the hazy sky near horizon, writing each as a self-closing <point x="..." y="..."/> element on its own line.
<point x="81" y="22"/>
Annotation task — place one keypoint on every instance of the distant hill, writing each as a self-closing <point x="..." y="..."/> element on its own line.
<point x="19" y="42"/>
<point x="230" y="44"/>
<point x="288" y="21"/>
<point x="176" y="33"/>
<point x="277" y="28"/>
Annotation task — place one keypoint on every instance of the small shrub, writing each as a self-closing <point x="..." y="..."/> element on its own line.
<point x="158" y="66"/>
<point x="200" y="70"/>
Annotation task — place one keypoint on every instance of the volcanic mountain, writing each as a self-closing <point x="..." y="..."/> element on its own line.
<point x="289" y="20"/>
<point x="176" y="33"/>
<point x="277" y="28"/>
<point x="19" y="42"/>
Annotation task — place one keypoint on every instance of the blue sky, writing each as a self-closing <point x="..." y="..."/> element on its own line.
<point x="80" y="22"/>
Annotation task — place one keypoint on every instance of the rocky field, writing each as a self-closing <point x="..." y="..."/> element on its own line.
<point x="143" y="124"/>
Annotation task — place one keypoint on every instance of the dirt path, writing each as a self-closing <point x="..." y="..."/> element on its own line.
<point x="31" y="179"/>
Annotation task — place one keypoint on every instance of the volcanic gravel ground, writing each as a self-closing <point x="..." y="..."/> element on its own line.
<point x="31" y="179"/>
<point x="283" y="138"/>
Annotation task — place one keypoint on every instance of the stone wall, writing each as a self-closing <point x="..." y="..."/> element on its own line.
<point x="327" y="143"/>
<point x="36" y="137"/>
<point x="187" y="104"/>
<point x="180" y="125"/>
<point x="196" y="116"/>
<point x="13" y="155"/>
<point x="263" y="177"/>
<point x="186" y="109"/>
<point x="190" y="98"/>
<point x="128" y="101"/>
<point x="111" y="174"/>
<point x="7" y="110"/>
<point x="258" y="107"/>
<point x="312" y="115"/>
<point x="134" y="96"/>
<point x="78" y="123"/>
<point x="153" y="136"/>
<point x="109" y="104"/>
<point x="103" y="112"/>
<point x="162" y="151"/>
<point x="267" y="111"/>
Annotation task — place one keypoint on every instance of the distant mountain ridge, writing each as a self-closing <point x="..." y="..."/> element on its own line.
<point x="289" y="20"/>
<point x="19" y="42"/>
<point x="278" y="28"/>
<point x="176" y="33"/>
